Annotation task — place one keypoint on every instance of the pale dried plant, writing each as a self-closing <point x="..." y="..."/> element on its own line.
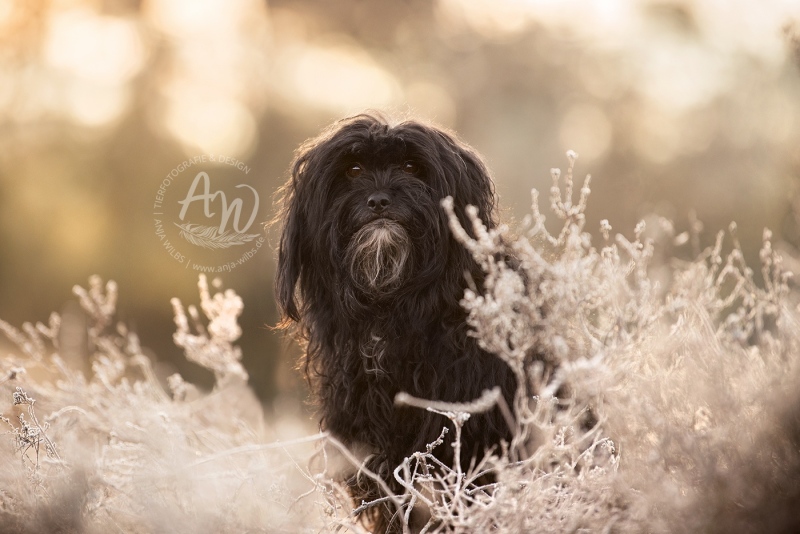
<point x="655" y="395"/>
<point x="117" y="452"/>
<point x="212" y="346"/>
<point x="638" y="379"/>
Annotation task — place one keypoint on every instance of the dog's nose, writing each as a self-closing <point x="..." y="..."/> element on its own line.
<point x="378" y="202"/>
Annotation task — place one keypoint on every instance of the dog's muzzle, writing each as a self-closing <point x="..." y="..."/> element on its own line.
<point x="378" y="257"/>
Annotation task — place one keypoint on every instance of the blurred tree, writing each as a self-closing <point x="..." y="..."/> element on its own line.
<point x="673" y="106"/>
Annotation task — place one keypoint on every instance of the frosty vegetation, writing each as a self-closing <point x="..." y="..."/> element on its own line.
<point x="666" y="402"/>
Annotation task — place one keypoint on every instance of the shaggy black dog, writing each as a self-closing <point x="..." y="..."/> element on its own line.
<point x="371" y="275"/>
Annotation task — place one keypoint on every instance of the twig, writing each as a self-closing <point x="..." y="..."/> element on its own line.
<point x="245" y="449"/>
<point x="398" y="502"/>
<point x="484" y="403"/>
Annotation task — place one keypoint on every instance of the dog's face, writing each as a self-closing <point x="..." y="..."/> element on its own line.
<point x="363" y="215"/>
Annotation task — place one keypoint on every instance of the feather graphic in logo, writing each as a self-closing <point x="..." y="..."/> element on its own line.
<point x="209" y="236"/>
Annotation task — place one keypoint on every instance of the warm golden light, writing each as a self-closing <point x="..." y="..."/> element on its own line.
<point x="102" y="49"/>
<point x="339" y="78"/>
<point x="586" y="129"/>
<point x="686" y="113"/>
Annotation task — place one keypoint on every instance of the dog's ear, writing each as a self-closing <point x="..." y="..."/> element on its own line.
<point x="466" y="179"/>
<point x="454" y="169"/>
<point x="290" y="254"/>
<point x="303" y="199"/>
<point x="473" y="184"/>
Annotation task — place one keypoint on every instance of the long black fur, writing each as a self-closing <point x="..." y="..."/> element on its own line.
<point x="362" y="347"/>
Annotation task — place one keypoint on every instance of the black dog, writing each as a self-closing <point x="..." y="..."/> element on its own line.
<point x="369" y="271"/>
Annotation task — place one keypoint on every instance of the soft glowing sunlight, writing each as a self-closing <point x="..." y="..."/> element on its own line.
<point x="248" y="172"/>
<point x="341" y="78"/>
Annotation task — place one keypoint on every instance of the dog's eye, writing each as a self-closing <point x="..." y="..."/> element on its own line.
<point x="354" y="171"/>
<point x="410" y="167"/>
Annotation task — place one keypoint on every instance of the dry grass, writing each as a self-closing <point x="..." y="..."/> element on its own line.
<point x="676" y="410"/>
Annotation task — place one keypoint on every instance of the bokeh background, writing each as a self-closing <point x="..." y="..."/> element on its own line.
<point x="675" y="107"/>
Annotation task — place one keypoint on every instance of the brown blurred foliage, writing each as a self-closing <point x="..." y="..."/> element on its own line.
<point x="673" y="106"/>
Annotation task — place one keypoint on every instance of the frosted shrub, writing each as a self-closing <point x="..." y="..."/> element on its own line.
<point x="667" y="374"/>
<point x="116" y="452"/>
<point x="655" y="395"/>
<point x="216" y="352"/>
<point x="645" y="386"/>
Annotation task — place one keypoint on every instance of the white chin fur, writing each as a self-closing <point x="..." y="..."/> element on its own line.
<point x="377" y="256"/>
